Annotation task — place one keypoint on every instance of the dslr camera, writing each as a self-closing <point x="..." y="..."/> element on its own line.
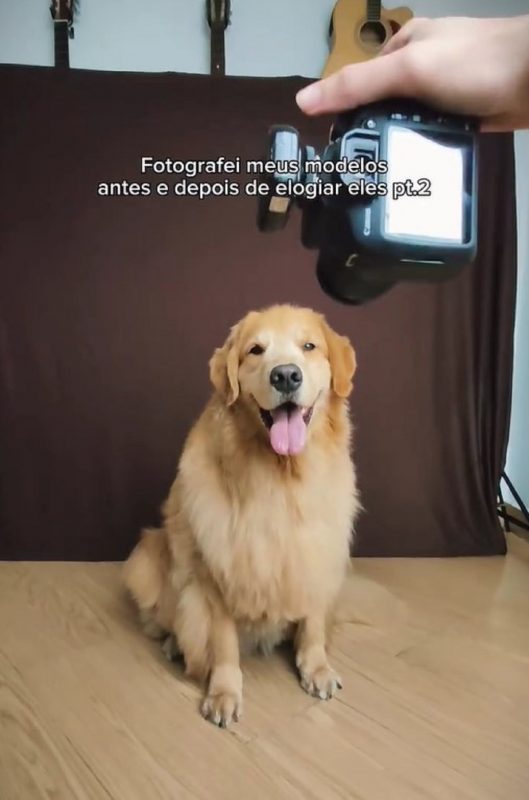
<point x="393" y="197"/>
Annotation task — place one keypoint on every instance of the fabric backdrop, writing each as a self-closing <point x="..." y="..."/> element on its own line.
<point x="110" y="308"/>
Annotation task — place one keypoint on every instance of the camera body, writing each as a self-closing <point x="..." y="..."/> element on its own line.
<point x="393" y="197"/>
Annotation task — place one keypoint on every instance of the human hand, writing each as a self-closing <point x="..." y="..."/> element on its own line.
<point x="475" y="67"/>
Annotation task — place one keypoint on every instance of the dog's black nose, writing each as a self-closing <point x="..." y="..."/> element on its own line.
<point x="286" y="378"/>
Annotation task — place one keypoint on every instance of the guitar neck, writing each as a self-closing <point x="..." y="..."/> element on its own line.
<point x="217" y="53"/>
<point x="62" y="51"/>
<point x="373" y="10"/>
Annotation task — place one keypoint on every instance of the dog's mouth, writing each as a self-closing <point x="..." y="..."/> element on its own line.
<point x="287" y="427"/>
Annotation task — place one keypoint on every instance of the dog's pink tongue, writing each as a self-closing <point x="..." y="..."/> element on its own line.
<point x="288" y="432"/>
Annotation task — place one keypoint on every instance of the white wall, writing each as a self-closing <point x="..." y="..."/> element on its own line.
<point x="266" y="37"/>
<point x="517" y="466"/>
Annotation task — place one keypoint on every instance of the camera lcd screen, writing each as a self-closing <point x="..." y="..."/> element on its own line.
<point x="425" y="187"/>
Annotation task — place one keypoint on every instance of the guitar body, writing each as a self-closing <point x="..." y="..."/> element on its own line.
<point x="359" y="36"/>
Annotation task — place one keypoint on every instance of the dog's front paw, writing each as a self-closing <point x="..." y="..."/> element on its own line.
<point x="222" y="708"/>
<point x="322" y="682"/>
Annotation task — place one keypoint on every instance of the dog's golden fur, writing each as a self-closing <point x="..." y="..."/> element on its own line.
<point x="254" y="546"/>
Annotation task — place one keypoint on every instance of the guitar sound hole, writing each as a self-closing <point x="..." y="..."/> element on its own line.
<point x="373" y="34"/>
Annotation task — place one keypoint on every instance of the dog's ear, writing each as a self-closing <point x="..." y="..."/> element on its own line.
<point x="224" y="369"/>
<point x="342" y="359"/>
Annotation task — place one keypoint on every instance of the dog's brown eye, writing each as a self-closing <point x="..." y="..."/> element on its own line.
<point x="309" y="346"/>
<point x="257" y="350"/>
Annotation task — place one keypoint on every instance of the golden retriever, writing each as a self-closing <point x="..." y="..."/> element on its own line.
<point x="256" y="532"/>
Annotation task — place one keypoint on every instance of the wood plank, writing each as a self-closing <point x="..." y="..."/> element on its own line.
<point x="434" y="656"/>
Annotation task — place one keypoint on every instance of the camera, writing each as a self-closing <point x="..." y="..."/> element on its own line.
<point x="393" y="197"/>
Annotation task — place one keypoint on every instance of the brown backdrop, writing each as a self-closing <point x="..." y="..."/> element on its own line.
<point x="110" y="308"/>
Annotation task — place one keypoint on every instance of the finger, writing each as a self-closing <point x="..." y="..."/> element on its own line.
<point x="501" y="123"/>
<point x="355" y="85"/>
<point x="402" y="37"/>
<point x="491" y="125"/>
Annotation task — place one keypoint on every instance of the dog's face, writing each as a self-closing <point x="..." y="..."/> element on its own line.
<point x="282" y="363"/>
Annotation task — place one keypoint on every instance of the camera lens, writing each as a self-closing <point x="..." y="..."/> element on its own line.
<point x="348" y="284"/>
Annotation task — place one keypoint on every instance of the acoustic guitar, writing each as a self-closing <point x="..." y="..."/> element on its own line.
<point x="359" y="29"/>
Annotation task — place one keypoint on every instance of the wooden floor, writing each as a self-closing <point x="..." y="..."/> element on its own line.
<point x="434" y="656"/>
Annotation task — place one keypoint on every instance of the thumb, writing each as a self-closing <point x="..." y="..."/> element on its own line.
<point x="356" y="85"/>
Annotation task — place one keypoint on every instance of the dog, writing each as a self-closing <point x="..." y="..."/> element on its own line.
<point x="255" y="540"/>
